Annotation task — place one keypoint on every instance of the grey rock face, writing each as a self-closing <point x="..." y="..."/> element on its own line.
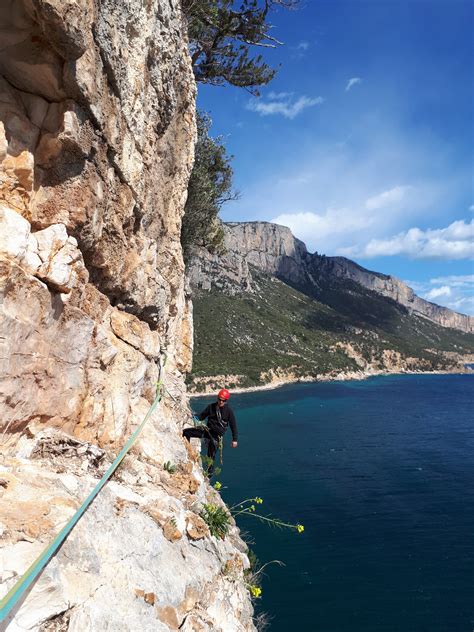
<point x="268" y="247"/>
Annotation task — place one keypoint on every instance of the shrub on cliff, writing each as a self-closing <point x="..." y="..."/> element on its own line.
<point x="210" y="185"/>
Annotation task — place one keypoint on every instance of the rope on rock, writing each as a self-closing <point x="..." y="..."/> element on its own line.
<point x="13" y="596"/>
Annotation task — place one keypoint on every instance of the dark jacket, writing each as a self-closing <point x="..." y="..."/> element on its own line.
<point x="219" y="419"/>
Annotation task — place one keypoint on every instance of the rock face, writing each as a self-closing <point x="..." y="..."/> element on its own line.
<point x="97" y="135"/>
<point x="96" y="146"/>
<point x="274" y="250"/>
<point x="140" y="558"/>
<point x="97" y="129"/>
<point x="268" y="247"/>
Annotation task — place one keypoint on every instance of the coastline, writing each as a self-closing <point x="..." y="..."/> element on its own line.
<point x="344" y="376"/>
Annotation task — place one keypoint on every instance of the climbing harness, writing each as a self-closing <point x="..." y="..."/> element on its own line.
<point x="31" y="574"/>
<point x="199" y="424"/>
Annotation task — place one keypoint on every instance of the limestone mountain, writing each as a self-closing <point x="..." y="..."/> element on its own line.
<point x="294" y="314"/>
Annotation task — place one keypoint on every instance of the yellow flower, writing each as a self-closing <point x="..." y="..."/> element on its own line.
<point x="256" y="591"/>
<point x="252" y="508"/>
<point x="300" y="528"/>
<point x="258" y="500"/>
<point x="217" y="485"/>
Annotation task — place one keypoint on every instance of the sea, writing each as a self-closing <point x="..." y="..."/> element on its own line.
<point x="381" y="474"/>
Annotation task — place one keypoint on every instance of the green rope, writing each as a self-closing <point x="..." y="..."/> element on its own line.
<point x="32" y="573"/>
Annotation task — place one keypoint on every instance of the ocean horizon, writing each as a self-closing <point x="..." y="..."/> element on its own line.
<point x="380" y="473"/>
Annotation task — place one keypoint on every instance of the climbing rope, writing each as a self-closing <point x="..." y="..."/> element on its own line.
<point x="31" y="574"/>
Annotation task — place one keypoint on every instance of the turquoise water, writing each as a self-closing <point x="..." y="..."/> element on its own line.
<point x="381" y="473"/>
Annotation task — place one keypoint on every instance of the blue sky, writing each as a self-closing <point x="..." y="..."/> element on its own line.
<point x="363" y="143"/>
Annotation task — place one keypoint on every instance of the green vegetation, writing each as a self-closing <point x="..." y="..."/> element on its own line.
<point x="221" y="36"/>
<point x="210" y="186"/>
<point x="247" y="508"/>
<point x="169" y="467"/>
<point x="217" y="519"/>
<point x="281" y="328"/>
<point x="253" y="575"/>
<point x="206" y="463"/>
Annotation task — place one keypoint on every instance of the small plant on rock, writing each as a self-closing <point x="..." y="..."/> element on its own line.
<point x="217" y="519"/>
<point x="169" y="467"/>
<point x="255" y="591"/>
<point x="206" y="466"/>
<point x="253" y="575"/>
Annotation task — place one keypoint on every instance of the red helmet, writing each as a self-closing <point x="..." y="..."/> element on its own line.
<point x="223" y="394"/>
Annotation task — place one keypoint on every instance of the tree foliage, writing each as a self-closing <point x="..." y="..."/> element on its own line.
<point x="210" y="185"/>
<point x="222" y="34"/>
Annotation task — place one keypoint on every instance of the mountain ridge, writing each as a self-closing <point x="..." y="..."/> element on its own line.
<point x="274" y="249"/>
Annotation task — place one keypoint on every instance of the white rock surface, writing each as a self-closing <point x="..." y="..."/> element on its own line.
<point x="118" y="553"/>
<point x="14" y="234"/>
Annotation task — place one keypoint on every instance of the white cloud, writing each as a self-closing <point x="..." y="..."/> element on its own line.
<point x="453" y="291"/>
<point x="437" y="292"/>
<point x="283" y="104"/>
<point x="387" y="198"/>
<point x="303" y="45"/>
<point x="456" y="241"/>
<point x="327" y="229"/>
<point x="462" y="304"/>
<point x="455" y="280"/>
<point x="316" y="175"/>
<point x="334" y="226"/>
<point x="456" y="301"/>
<point x="417" y="286"/>
<point x="352" y="82"/>
<point x="322" y="228"/>
<point x="300" y="49"/>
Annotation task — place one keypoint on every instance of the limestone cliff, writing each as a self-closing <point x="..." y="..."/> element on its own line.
<point x="96" y="145"/>
<point x="274" y="250"/>
<point x="268" y="247"/>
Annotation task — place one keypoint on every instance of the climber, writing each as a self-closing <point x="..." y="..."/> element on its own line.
<point x="219" y="416"/>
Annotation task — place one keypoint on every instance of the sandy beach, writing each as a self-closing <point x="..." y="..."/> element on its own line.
<point x="329" y="377"/>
